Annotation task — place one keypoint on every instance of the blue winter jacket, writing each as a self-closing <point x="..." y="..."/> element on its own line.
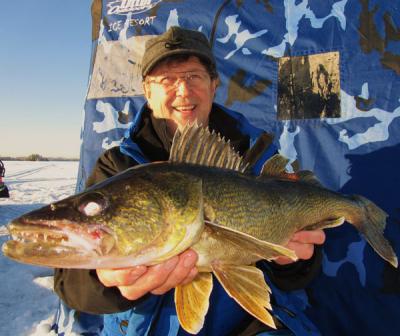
<point x="157" y="315"/>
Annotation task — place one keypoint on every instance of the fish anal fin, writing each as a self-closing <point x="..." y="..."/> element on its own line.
<point x="247" y="286"/>
<point x="263" y="249"/>
<point x="192" y="302"/>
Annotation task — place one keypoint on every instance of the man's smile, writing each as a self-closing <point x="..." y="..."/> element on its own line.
<point x="184" y="109"/>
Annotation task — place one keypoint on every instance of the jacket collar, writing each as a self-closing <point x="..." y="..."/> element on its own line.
<point x="147" y="140"/>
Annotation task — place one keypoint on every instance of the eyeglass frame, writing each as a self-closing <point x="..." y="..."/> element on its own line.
<point x="177" y="77"/>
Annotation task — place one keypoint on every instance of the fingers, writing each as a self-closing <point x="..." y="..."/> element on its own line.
<point x="302" y="250"/>
<point x="120" y="277"/>
<point x="309" y="237"/>
<point x="302" y="243"/>
<point x="184" y="272"/>
<point x="137" y="281"/>
<point x="192" y="274"/>
<point x="154" y="277"/>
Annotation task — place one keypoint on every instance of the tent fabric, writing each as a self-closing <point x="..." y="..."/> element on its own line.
<point x="323" y="76"/>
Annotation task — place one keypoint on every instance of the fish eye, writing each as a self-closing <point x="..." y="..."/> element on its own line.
<point x="92" y="204"/>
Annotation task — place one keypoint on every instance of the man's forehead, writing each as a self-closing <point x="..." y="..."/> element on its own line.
<point x="178" y="65"/>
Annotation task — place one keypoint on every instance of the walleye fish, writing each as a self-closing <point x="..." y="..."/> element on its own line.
<point x="201" y="198"/>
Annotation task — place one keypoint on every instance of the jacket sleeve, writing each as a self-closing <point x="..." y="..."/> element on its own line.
<point x="80" y="289"/>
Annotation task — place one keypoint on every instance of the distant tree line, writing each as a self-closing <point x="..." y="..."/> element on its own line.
<point x="36" y="157"/>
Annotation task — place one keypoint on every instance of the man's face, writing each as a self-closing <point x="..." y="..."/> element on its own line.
<point x="180" y="92"/>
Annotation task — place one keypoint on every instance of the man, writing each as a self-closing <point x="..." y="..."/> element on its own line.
<point x="179" y="82"/>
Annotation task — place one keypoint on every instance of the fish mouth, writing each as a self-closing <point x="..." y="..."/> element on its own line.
<point x="38" y="233"/>
<point x="57" y="243"/>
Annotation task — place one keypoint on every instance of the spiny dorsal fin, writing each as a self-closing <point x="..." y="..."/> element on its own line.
<point x="195" y="144"/>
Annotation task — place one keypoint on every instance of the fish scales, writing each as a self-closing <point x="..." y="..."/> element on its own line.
<point x="256" y="206"/>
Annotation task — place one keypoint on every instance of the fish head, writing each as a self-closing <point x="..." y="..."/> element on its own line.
<point x="131" y="220"/>
<point x="60" y="234"/>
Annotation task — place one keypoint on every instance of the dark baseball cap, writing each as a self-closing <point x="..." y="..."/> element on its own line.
<point x="175" y="41"/>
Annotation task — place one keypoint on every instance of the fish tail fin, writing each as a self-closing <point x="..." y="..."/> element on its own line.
<point x="372" y="226"/>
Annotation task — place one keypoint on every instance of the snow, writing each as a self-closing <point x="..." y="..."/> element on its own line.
<point x="28" y="303"/>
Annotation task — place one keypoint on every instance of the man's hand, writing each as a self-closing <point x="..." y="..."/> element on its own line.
<point x="302" y="243"/>
<point x="137" y="281"/>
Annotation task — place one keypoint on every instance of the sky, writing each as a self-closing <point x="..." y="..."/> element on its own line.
<point x="45" y="52"/>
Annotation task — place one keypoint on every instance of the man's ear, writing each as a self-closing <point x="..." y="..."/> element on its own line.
<point x="146" y="90"/>
<point x="147" y="93"/>
<point x="216" y="83"/>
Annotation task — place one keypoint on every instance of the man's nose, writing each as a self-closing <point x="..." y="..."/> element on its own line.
<point x="182" y="87"/>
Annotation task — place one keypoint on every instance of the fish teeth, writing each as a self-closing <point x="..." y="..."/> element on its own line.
<point x="28" y="237"/>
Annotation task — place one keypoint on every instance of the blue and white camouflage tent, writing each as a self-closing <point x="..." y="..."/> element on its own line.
<point x="324" y="77"/>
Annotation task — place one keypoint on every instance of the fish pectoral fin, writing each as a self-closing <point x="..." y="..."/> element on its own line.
<point x="192" y="302"/>
<point x="247" y="286"/>
<point x="329" y="223"/>
<point x="263" y="249"/>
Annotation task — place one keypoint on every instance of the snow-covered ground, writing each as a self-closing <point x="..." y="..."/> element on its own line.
<point x="27" y="303"/>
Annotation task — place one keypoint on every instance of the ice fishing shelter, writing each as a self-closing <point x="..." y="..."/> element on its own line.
<point x="324" y="77"/>
<point x="4" y="193"/>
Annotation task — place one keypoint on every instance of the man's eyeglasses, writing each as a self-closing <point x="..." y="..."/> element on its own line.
<point x="170" y="81"/>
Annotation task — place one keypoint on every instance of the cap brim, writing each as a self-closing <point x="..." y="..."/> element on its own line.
<point x="158" y="59"/>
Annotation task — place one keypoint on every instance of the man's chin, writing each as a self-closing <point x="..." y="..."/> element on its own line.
<point x="185" y="119"/>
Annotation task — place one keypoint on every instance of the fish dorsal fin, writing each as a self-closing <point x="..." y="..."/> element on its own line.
<point x="257" y="247"/>
<point x="247" y="286"/>
<point x="197" y="145"/>
<point x="276" y="167"/>
<point x="308" y="177"/>
<point x="192" y="302"/>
